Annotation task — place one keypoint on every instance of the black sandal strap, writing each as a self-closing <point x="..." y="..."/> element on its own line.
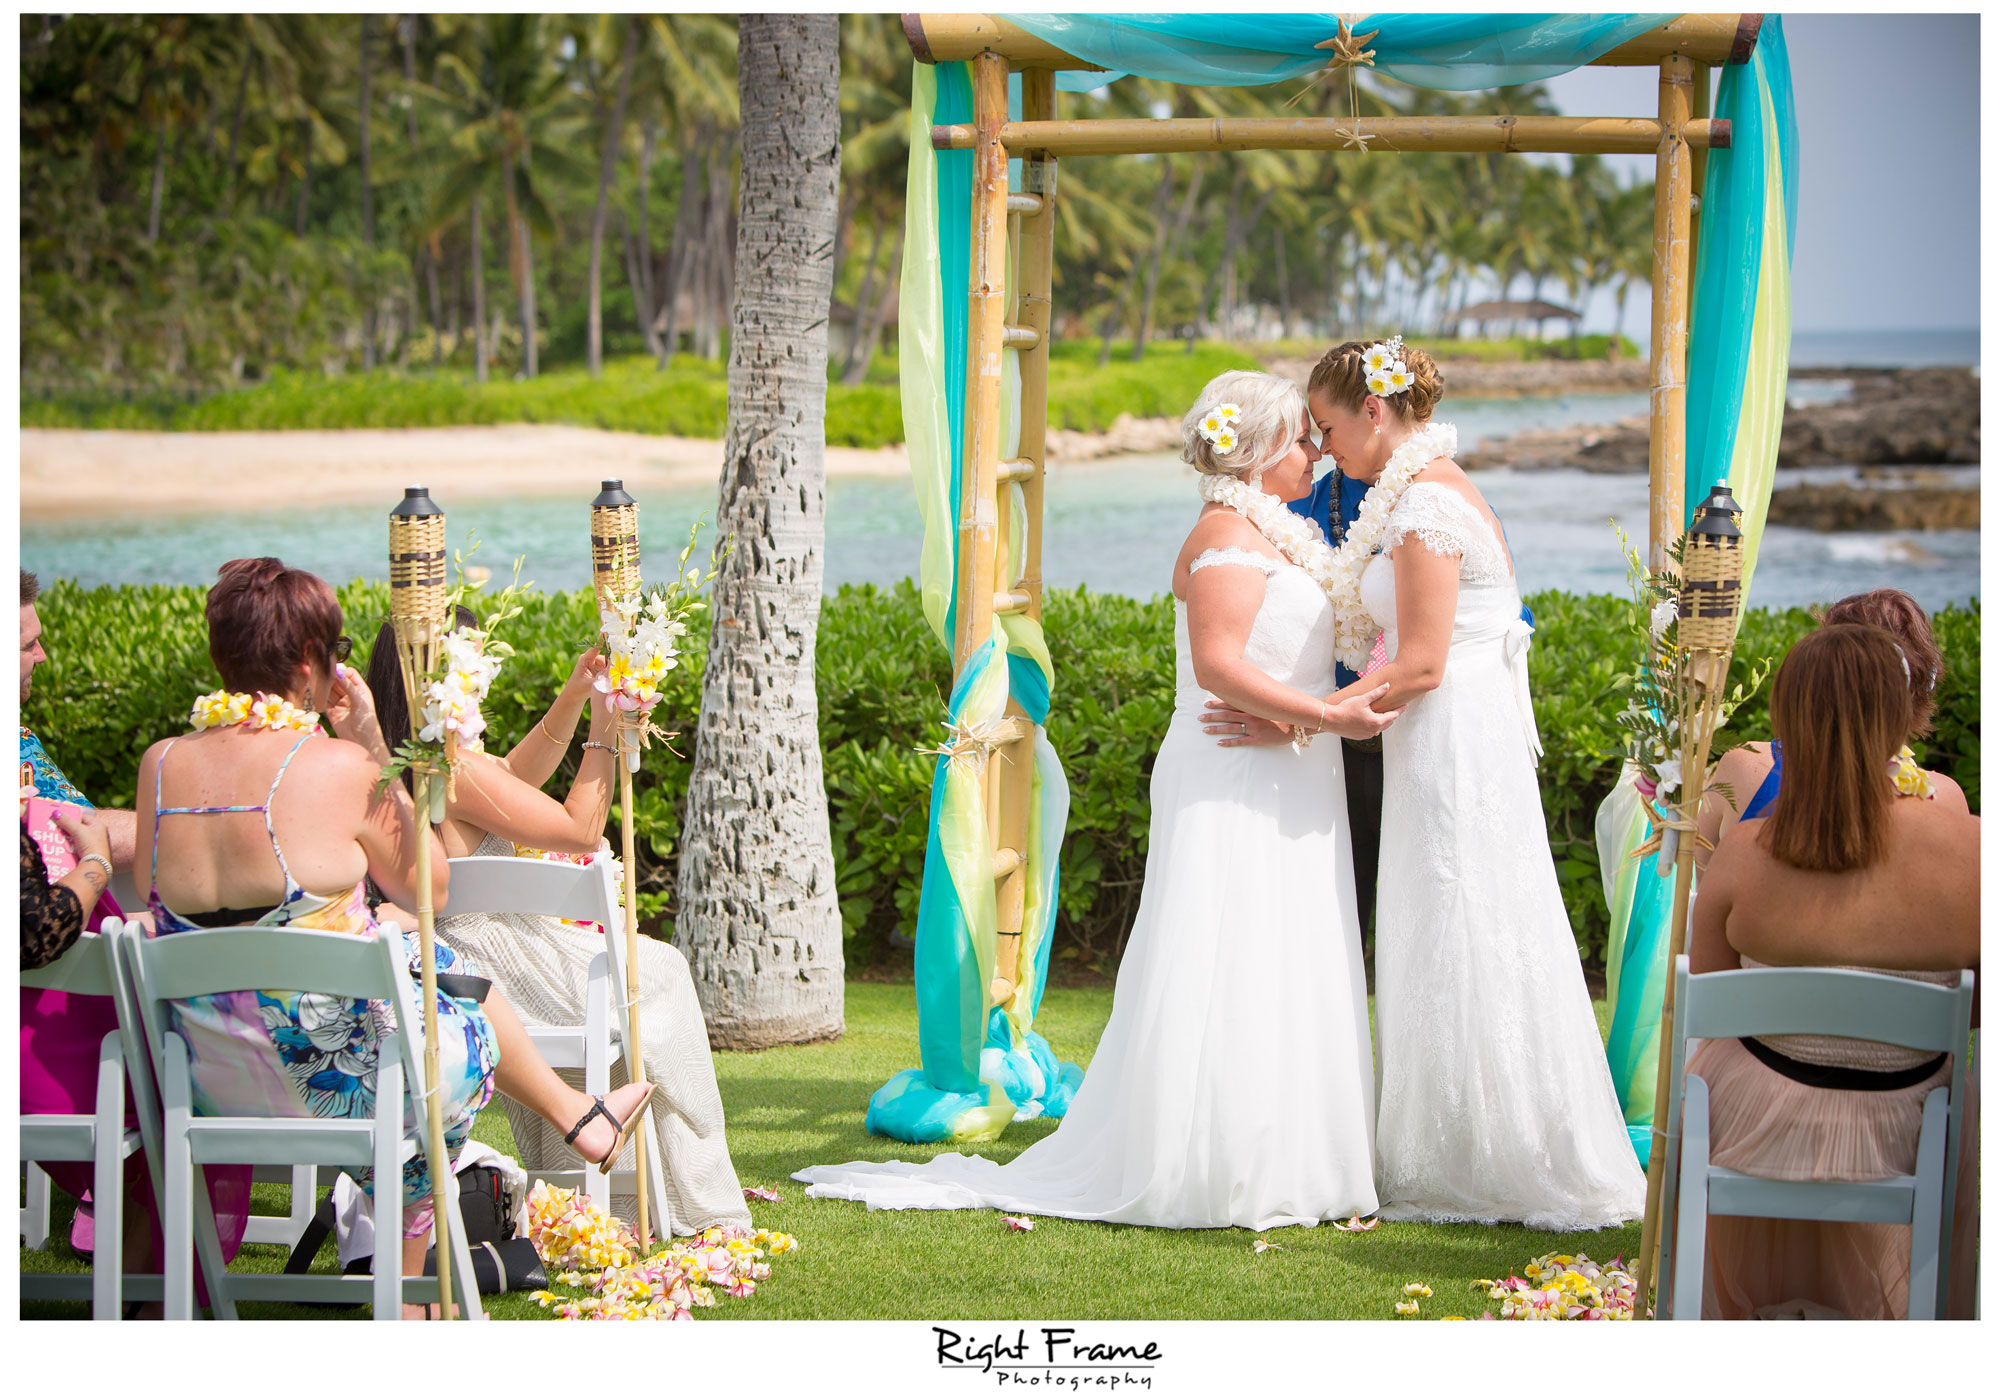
<point x="597" y="1109"/>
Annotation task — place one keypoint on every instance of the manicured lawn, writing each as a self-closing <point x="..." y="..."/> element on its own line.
<point x="794" y="1107"/>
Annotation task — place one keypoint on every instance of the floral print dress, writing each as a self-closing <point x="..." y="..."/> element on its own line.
<point x="313" y="1055"/>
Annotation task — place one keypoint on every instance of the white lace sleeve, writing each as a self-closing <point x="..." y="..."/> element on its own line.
<point x="1447" y="525"/>
<point x="1249" y="559"/>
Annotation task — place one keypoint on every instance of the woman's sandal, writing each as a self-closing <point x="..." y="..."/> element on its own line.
<point x="597" y="1109"/>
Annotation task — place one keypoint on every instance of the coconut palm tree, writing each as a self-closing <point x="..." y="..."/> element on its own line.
<point x="757" y="914"/>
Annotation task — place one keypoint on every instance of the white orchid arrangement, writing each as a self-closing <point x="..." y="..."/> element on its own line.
<point x="450" y="718"/>
<point x="1658" y="712"/>
<point x="642" y="635"/>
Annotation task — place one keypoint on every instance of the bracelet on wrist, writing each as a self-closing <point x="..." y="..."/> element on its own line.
<point x="91" y="857"/>
<point x="593" y="744"/>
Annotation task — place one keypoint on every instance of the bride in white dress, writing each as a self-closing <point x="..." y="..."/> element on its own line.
<point x="1233" y="1085"/>
<point x="1496" y="1102"/>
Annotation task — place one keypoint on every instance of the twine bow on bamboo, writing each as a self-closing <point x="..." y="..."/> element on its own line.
<point x="972" y="745"/>
<point x="1348" y="52"/>
<point x="1681" y="826"/>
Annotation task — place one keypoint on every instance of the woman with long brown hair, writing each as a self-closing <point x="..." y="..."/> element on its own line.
<point x="544" y="964"/>
<point x="1746" y="779"/>
<point x="1838" y="874"/>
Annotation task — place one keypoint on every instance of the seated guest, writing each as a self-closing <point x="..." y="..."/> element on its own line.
<point x="544" y="964"/>
<point x="1839" y="873"/>
<point x="52" y="913"/>
<point x="324" y="822"/>
<point x="1746" y="779"/>
<point x="38" y="770"/>
<point x="60" y="1033"/>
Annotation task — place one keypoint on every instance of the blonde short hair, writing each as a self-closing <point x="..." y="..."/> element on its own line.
<point x="1269" y="409"/>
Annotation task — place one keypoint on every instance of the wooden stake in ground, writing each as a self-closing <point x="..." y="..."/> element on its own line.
<point x="1710" y="604"/>
<point x="417" y="609"/>
<point x="614" y="571"/>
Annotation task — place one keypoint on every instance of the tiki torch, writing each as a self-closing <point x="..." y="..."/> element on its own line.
<point x="1711" y="603"/>
<point x="417" y="609"/>
<point x="614" y="563"/>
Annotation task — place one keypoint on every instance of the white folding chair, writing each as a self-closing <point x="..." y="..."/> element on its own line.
<point x="559" y="890"/>
<point x="1814" y="1001"/>
<point x="99" y="1137"/>
<point x="193" y="964"/>
<point x="35" y="1195"/>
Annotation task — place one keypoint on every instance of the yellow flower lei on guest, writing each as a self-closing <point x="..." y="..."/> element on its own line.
<point x="1910" y="779"/>
<point x="220" y="708"/>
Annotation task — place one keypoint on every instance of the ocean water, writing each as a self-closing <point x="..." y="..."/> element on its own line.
<point x="1884" y="349"/>
<point x="1114" y="526"/>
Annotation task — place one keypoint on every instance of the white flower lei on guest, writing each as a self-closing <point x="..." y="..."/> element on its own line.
<point x="1338" y="571"/>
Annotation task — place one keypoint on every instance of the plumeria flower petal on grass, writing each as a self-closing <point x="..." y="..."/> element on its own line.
<point x="1416" y="1290"/>
<point x="1410" y="1308"/>
<point x="1355" y="1223"/>
<point x="1262" y="1245"/>
<point x="760" y="1193"/>
<point x="1017" y="1222"/>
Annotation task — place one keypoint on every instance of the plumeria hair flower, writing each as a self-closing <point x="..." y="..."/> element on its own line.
<point x="1219" y="427"/>
<point x="1384" y="366"/>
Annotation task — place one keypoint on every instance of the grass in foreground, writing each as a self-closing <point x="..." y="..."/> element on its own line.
<point x="798" y="1106"/>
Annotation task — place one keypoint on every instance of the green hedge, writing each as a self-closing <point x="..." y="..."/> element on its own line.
<point x="125" y="663"/>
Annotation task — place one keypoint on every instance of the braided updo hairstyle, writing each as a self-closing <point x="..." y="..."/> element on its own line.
<point x="1270" y="409"/>
<point x="1341" y="378"/>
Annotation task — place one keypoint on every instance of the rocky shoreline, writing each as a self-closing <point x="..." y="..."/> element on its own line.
<point x="1901" y="417"/>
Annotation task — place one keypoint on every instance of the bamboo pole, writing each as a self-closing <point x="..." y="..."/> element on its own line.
<point x="1032" y="248"/>
<point x="417" y="608"/>
<point x="1667" y="438"/>
<point x="978" y="524"/>
<point x="956" y="37"/>
<point x="1710" y="605"/>
<point x="614" y="558"/>
<point x="1139" y="136"/>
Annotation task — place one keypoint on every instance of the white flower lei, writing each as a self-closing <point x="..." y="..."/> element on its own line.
<point x="1338" y="571"/>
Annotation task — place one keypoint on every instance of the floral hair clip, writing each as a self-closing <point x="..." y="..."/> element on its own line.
<point x="1383" y="362"/>
<point x="1219" y="428"/>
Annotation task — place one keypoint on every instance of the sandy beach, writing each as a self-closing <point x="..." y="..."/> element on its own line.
<point x="68" y="473"/>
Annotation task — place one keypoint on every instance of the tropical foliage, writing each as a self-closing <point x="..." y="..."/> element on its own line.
<point x="210" y="201"/>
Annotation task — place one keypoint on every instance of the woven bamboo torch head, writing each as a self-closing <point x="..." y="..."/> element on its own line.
<point x="614" y="544"/>
<point x="417" y="586"/>
<point x="1712" y="575"/>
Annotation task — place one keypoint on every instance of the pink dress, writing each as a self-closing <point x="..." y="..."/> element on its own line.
<point x="1768" y="1124"/>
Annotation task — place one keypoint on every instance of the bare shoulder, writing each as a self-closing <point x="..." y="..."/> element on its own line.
<point x="336" y="762"/>
<point x="1223" y="529"/>
<point x="1950" y="796"/>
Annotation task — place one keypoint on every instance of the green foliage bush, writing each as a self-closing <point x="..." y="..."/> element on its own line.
<point x="126" y="662"/>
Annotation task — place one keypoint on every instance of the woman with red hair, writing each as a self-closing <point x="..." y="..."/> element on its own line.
<point x="327" y="825"/>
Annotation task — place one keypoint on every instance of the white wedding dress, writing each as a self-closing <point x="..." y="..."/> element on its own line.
<point x="1496" y="1101"/>
<point x="1233" y="1085"/>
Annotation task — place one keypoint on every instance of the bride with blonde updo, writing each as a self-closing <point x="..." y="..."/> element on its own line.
<point x="1234" y="1084"/>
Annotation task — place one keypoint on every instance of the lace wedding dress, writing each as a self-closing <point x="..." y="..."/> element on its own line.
<point x="1233" y="1085"/>
<point x="1496" y="1101"/>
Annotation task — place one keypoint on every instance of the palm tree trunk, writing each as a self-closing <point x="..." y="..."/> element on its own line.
<point x="607" y="166"/>
<point x="367" y="191"/>
<point x="860" y="308"/>
<point x="681" y="254"/>
<point x="757" y="912"/>
<point x="525" y="249"/>
<point x="644" y="303"/>
<point x="878" y="309"/>
<point x="479" y="350"/>
<point x="159" y="183"/>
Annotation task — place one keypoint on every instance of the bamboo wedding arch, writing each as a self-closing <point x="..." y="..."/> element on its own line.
<point x="975" y="394"/>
